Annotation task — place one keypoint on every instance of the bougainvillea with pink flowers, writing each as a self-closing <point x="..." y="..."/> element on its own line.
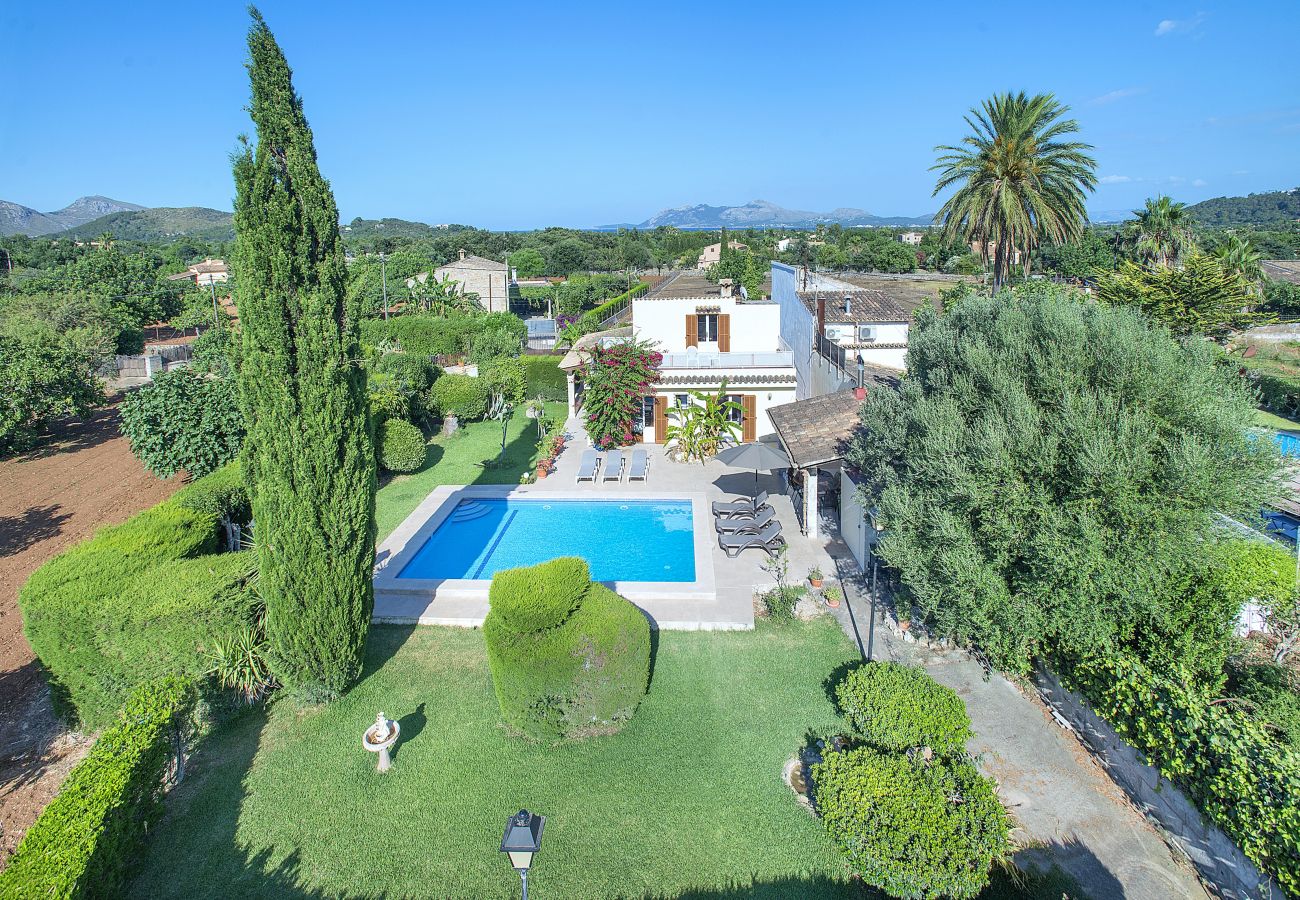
<point x="616" y="378"/>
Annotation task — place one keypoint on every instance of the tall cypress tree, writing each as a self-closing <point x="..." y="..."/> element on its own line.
<point x="309" y="457"/>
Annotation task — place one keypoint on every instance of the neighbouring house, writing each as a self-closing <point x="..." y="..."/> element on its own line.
<point x="784" y="244"/>
<point x="713" y="253"/>
<point x="210" y="271"/>
<point x="977" y="247"/>
<point x="708" y="334"/>
<point x="911" y="237"/>
<point x="488" y="278"/>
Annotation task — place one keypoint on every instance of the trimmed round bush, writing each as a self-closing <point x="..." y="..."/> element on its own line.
<point x="401" y="446"/>
<point x="221" y="495"/>
<point x="569" y="658"/>
<point x="895" y="707"/>
<point x="463" y="396"/>
<point x="910" y="828"/>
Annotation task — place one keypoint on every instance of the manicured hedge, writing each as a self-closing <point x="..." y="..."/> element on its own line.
<point x="463" y="396"/>
<point x="897" y="708"/>
<point x="569" y="658"/>
<point x="139" y="601"/>
<point x="401" y="446"/>
<point x="1229" y="765"/>
<point x="910" y="827"/>
<point x="1277" y="391"/>
<point x="545" y="379"/>
<point x="87" y="840"/>
<point x="422" y="335"/>
<point x="412" y="371"/>
<point x="220" y="495"/>
<point x="592" y="318"/>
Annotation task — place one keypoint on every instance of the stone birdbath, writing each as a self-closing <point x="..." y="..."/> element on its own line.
<point x="379" y="738"/>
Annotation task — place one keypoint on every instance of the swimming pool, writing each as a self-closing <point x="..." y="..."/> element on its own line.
<point x="1287" y="442"/>
<point x="621" y="539"/>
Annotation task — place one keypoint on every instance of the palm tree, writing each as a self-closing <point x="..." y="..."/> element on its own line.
<point x="105" y="240"/>
<point x="1162" y="233"/>
<point x="1238" y="256"/>
<point x="1019" y="181"/>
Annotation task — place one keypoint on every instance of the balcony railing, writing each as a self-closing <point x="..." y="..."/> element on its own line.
<point x="688" y="360"/>
<point x="833" y="352"/>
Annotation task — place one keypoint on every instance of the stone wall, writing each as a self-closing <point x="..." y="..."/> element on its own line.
<point x="1219" y="860"/>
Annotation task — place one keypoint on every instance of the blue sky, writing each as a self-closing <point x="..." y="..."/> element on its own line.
<point x="520" y="115"/>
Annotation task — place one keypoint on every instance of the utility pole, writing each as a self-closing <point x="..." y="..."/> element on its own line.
<point x="216" y="319"/>
<point x="383" y="277"/>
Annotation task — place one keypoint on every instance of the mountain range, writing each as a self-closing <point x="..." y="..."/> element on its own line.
<point x="764" y="214"/>
<point x="18" y="219"/>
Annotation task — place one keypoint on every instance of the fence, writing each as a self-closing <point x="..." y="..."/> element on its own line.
<point x="832" y="352"/>
<point x="155" y="359"/>
<point x="694" y="360"/>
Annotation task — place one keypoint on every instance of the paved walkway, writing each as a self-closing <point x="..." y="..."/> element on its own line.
<point x="1068" y="809"/>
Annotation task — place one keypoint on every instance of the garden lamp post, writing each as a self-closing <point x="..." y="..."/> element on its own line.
<point x="522" y="838"/>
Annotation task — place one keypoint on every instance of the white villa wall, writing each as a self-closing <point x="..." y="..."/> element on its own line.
<point x="755" y="326"/>
<point x="766" y="396"/>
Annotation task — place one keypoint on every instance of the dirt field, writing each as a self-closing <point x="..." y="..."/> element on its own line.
<point x="50" y="499"/>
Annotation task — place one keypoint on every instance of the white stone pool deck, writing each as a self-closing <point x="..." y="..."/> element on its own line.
<point x="721" y="598"/>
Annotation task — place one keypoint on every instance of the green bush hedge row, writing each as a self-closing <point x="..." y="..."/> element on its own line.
<point x="86" y="841"/>
<point x="592" y="318"/>
<point x="1277" y="392"/>
<point x="545" y="379"/>
<point x="1239" y="777"/>
<point x="220" y="495"/>
<point x="137" y="602"/>
<point x="912" y="828"/>
<point x="897" y="708"/>
<point x="463" y="396"/>
<point x="569" y="658"/>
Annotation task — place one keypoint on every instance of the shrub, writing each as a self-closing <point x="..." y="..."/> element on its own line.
<point x="489" y="343"/>
<point x="401" y="446"/>
<point x="545" y="378"/>
<point x="221" y="495"/>
<point x="1271" y="699"/>
<point x="506" y="375"/>
<point x="413" y="372"/>
<point x="1230" y="766"/>
<point x="910" y="828"/>
<point x="569" y="658"/>
<point x="42" y="379"/>
<point x="616" y="379"/>
<point x="86" y="842"/>
<point x="463" y="396"/>
<point x="184" y="420"/>
<point x="1278" y="392"/>
<point x="896" y="708"/>
<point x="113" y="610"/>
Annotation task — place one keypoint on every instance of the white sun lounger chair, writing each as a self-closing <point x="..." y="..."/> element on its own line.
<point x="637" y="469"/>
<point x="614" y="462"/>
<point x="587" y="466"/>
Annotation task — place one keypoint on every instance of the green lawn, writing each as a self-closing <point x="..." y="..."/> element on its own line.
<point x="1266" y="419"/>
<point x="688" y="798"/>
<point x="458" y="460"/>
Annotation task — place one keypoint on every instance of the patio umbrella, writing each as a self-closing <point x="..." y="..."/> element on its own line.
<point x="757" y="456"/>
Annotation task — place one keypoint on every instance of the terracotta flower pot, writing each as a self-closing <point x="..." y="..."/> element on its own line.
<point x="833" y="602"/>
<point x="905" y="624"/>
<point x="815" y="582"/>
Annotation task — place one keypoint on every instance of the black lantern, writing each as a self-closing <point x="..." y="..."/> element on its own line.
<point x="522" y="838"/>
<point x="862" y="366"/>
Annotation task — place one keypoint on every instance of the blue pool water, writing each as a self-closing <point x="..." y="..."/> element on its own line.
<point x="1287" y="442"/>
<point x="622" y="540"/>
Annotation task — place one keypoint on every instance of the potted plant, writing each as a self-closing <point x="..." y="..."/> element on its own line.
<point x="832" y="597"/>
<point x="815" y="577"/>
<point x="544" y="467"/>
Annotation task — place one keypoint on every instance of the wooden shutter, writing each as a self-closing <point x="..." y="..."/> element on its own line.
<point x="724" y="332"/>
<point x="749" y="425"/>
<point x="691" y="334"/>
<point x="661" y="418"/>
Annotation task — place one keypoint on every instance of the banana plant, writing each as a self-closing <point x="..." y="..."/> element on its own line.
<point x="699" y="429"/>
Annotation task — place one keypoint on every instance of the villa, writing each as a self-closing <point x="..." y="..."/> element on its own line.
<point x="488" y="278"/>
<point x="713" y="253"/>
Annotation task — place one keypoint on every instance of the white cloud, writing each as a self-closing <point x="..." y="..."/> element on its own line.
<point x="1172" y="26"/>
<point x="1199" y="182"/>
<point x="1114" y="179"/>
<point x="1112" y="96"/>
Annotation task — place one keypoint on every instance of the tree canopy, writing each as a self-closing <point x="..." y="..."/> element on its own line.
<point x="1049" y="468"/>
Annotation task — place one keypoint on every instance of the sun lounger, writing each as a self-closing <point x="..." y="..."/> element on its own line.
<point x="637" y="469"/>
<point x="613" y="466"/>
<point x="587" y="466"/>
<point x="768" y="539"/>
<point x="742" y="507"/>
<point x="746" y="525"/>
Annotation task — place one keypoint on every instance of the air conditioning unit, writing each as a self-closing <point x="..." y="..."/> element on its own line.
<point x="866" y="334"/>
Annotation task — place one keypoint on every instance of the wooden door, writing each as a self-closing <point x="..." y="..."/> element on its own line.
<point x="749" y="425"/>
<point x="661" y="418"/>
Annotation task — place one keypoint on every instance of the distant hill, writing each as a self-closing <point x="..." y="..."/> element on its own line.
<point x="161" y="223"/>
<point x="1263" y="210"/>
<point x="363" y="229"/>
<point x="18" y="219"/>
<point x="762" y="214"/>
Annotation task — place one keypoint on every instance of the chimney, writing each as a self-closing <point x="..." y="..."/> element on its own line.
<point x="725" y="284"/>
<point x="848" y="304"/>
<point x="821" y="316"/>
<point x="462" y="254"/>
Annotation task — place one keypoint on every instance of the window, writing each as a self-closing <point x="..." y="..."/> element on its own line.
<point x="866" y="334"/>
<point x="706" y="327"/>
<point x="736" y="413"/>
<point x="648" y="411"/>
<point x="681" y="401"/>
